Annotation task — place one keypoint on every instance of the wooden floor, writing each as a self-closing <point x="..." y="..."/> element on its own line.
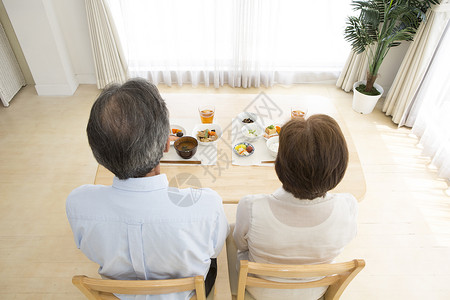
<point x="404" y="219"/>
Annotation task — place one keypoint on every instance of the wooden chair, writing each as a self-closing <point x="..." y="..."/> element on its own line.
<point x="103" y="289"/>
<point x="337" y="276"/>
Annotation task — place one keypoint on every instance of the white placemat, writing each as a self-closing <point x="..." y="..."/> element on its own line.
<point x="206" y="155"/>
<point x="261" y="156"/>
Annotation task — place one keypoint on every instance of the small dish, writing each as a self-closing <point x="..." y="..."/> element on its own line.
<point x="247" y="117"/>
<point x="271" y="130"/>
<point x="251" y="131"/>
<point x="186" y="146"/>
<point x="172" y="136"/>
<point x="272" y="145"/>
<point x="211" y="128"/>
<point x="244" y="149"/>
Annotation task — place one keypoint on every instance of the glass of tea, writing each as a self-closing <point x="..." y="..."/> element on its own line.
<point x="298" y="112"/>
<point x="206" y="113"/>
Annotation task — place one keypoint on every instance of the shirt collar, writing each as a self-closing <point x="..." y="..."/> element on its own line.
<point x="283" y="195"/>
<point x="141" y="184"/>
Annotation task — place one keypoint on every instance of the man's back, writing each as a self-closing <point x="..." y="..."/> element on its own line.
<point x="140" y="228"/>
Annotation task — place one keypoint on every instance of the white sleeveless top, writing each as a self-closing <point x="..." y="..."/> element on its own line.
<point x="282" y="229"/>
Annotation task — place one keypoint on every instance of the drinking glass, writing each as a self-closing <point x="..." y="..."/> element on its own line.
<point x="206" y="113"/>
<point x="298" y="112"/>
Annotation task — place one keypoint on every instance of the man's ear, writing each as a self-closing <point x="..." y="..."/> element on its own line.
<point x="167" y="145"/>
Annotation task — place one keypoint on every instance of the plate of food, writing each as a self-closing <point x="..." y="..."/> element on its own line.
<point x="251" y="131"/>
<point x="176" y="131"/>
<point x="244" y="149"/>
<point x="271" y="130"/>
<point x="207" y="134"/>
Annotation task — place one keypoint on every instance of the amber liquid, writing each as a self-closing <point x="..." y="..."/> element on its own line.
<point x="297" y="114"/>
<point x="207" y="116"/>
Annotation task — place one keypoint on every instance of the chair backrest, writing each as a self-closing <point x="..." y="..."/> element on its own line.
<point x="336" y="276"/>
<point x="102" y="289"/>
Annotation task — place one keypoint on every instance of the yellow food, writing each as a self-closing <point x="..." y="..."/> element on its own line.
<point x="271" y="130"/>
<point x="240" y="146"/>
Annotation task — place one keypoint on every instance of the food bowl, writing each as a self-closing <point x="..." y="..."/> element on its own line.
<point x="247" y="117"/>
<point x="272" y="145"/>
<point x="186" y="146"/>
<point x="173" y="136"/>
<point x="207" y="138"/>
<point x="246" y="147"/>
<point x="251" y="131"/>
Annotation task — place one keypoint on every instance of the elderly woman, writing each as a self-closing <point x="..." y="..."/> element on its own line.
<point x="301" y="222"/>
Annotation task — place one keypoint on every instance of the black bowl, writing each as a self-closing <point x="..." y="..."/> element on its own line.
<point x="186" y="146"/>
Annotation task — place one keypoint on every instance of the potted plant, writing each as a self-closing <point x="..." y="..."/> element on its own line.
<point x="381" y="24"/>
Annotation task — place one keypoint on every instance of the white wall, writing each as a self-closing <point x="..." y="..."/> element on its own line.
<point x="12" y="38"/>
<point x="390" y="66"/>
<point x="71" y="15"/>
<point x="54" y="38"/>
<point x="42" y="42"/>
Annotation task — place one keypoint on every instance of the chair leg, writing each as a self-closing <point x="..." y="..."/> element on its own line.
<point x="243" y="271"/>
<point x="232" y="261"/>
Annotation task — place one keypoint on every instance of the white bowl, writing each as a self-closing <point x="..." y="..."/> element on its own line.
<point x="201" y="127"/>
<point x="252" y="126"/>
<point x="271" y="141"/>
<point x="174" y="126"/>
<point x="247" y="115"/>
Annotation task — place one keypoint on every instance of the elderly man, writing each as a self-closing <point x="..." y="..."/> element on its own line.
<point x="134" y="229"/>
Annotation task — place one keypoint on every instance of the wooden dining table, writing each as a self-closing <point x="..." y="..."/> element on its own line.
<point x="230" y="181"/>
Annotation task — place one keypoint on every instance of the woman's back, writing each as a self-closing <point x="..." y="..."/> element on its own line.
<point x="282" y="229"/>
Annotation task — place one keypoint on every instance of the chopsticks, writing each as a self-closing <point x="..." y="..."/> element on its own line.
<point x="188" y="162"/>
<point x="267" y="161"/>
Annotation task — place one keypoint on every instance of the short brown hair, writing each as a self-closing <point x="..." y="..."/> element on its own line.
<point x="312" y="156"/>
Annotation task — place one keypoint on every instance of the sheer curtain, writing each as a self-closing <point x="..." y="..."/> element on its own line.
<point x="432" y="105"/>
<point x="235" y="42"/>
<point x="355" y="69"/>
<point x="110" y="64"/>
<point x="416" y="62"/>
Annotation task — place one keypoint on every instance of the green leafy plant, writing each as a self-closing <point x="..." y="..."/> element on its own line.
<point x="381" y="25"/>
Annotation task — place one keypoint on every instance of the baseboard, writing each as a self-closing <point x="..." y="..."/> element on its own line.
<point x="56" y="89"/>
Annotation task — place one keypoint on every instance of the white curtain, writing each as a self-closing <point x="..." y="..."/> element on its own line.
<point x="236" y="42"/>
<point x="433" y="122"/>
<point x="110" y="63"/>
<point x="355" y="69"/>
<point x="416" y="62"/>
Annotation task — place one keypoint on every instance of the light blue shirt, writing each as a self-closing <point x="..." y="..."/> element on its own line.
<point x="141" y="228"/>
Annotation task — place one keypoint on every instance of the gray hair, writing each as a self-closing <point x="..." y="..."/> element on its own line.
<point x="128" y="128"/>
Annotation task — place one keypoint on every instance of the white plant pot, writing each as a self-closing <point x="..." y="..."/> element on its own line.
<point x="365" y="104"/>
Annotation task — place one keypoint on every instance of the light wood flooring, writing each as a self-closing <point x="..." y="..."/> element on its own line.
<point x="404" y="218"/>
